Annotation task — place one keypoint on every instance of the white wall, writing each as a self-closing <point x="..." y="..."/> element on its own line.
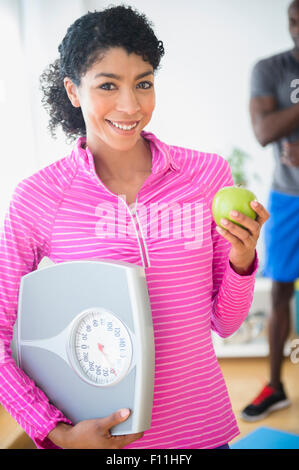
<point x="202" y="88"/>
<point x="44" y="25"/>
<point x="30" y="31"/>
<point x="16" y="126"/>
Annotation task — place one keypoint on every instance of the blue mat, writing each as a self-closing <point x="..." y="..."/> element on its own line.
<point x="267" y="438"/>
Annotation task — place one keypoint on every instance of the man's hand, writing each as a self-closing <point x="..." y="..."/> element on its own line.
<point x="243" y="240"/>
<point x="290" y="153"/>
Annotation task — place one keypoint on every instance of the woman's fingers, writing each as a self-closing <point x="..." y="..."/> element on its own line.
<point x="233" y="238"/>
<point x="249" y="232"/>
<point x="249" y="226"/>
<point x="262" y="213"/>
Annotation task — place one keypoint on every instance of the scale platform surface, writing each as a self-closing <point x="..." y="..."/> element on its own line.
<point x="84" y="334"/>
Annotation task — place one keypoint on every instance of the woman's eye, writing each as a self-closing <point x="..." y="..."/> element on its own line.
<point x="107" y="86"/>
<point x="149" y="85"/>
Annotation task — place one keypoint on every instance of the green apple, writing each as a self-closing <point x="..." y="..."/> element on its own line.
<point x="232" y="198"/>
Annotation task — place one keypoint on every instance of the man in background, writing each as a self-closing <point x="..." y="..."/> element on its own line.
<point x="274" y="110"/>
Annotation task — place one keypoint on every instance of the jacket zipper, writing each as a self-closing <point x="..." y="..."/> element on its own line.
<point x="140" y="237"/>
<point x="137" y="226"/>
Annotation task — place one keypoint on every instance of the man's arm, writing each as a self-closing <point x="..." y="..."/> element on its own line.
<point x="268" y="123"/>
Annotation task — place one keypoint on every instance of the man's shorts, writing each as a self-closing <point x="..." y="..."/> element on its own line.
<point x="282" y="237"/>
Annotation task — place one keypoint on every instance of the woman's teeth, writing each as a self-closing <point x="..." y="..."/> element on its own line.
<point x="125" y="128"/>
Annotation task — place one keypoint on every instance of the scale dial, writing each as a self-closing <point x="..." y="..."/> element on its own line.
<point x="100" y="347"/>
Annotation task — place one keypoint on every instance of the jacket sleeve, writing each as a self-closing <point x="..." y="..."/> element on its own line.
<point x="232" y="293"/>
<point x="22" y="246"/>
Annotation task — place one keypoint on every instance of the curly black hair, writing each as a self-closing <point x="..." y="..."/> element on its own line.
<point x="89" y="37"/>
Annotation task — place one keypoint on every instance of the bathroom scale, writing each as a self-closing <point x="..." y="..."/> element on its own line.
<point x="84" y="334"/>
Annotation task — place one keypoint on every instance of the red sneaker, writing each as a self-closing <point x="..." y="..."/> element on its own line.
<point x="270" y="399"/>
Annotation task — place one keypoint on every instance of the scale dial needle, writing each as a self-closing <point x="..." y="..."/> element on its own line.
<point x="101" y="348"/>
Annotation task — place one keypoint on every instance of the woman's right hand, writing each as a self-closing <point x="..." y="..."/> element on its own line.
<point x="93" y="433"/>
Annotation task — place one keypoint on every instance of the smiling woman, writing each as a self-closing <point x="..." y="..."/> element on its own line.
<point x="101" y="90"/>
<point x="110" y="114"/>
<point x="79" y="53"/>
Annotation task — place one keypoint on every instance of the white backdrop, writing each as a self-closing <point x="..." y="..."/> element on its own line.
<point x="202" y="89"/>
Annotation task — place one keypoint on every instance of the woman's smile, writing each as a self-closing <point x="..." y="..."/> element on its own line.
<point x="124" y="127"/>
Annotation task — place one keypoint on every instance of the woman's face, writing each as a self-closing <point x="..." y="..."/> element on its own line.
<point x="118" y="88"/>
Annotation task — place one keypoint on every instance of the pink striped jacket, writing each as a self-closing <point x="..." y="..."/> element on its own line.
<point x="65" y="212"/>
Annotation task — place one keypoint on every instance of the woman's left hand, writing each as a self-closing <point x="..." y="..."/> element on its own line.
<point x="243" y="242"/>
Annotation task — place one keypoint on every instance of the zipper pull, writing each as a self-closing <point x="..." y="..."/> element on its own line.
<point x="133" y="211"/>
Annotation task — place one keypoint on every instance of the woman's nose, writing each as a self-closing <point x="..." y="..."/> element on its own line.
<point x="127" y="102"/>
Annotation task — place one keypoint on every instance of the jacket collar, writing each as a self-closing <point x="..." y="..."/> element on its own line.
<point x="161" y="158"/>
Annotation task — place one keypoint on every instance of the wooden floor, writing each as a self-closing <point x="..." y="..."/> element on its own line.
<point x="244" y="379"/>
